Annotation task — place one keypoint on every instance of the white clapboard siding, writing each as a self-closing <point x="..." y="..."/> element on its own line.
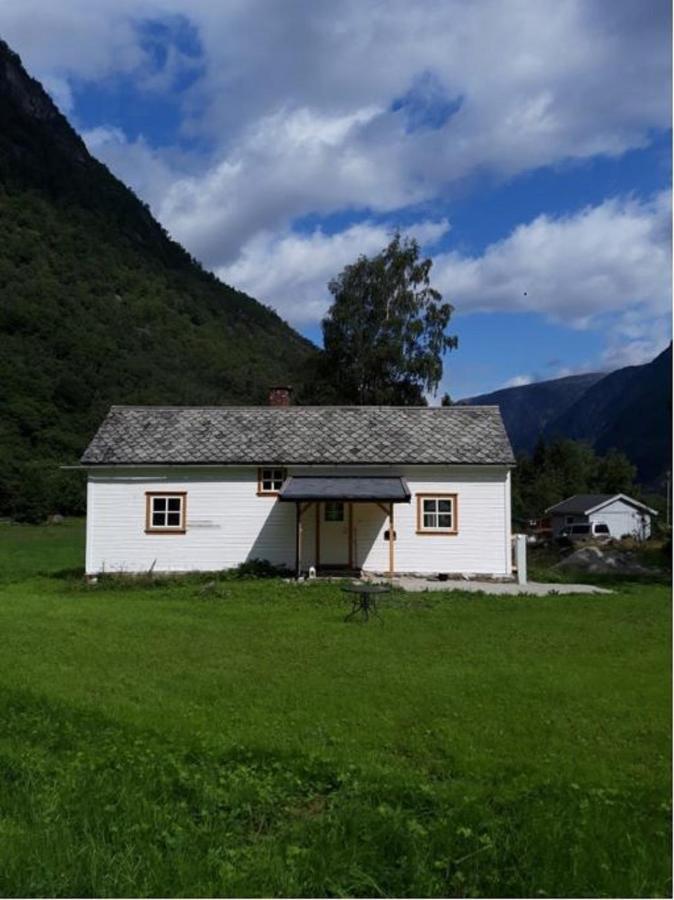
<point x="622" y="518"/>
<point x="228" y="523"/>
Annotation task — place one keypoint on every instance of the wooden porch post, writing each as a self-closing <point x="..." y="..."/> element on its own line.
<point x="298" y="514"/>
<point x="391" y="543"/>
<point x="350" y="535"/>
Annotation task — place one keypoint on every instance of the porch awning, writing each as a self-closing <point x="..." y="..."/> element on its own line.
<point x="363" y="488"/>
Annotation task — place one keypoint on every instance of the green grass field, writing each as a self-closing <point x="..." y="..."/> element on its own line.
<point x="238" y="739"/>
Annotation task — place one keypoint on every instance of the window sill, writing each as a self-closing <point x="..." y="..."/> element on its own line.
<point x="434" y="531"/>
<point x="267" y="493"/>
<point x="165" y="530"/>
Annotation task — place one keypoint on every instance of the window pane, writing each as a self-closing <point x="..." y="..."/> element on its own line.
<point x="334" y="511"/>
<point x="430" y="520"/>
<point x="267" y="486"/>
<point x="445" y="520"/>
<point x="159" y="504"/>
<point x="267" y="475"/>
<point x="429" y="505"/>
<point x="173" y="519"/>
<point x="174" y="504"/>
<point x="275" y="477"/>
<point x="445" y="506"/>
<point x="157" y="519"/>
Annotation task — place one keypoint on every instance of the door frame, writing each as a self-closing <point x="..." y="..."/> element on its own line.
<point x="348" y="513"/>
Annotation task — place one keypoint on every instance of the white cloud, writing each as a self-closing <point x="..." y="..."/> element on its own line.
<point x="286" y="165"/>
<point x="607" y="266"/>
<point x="297" y="100"/>
<point x="298" y="97"/>
<point x="143" y="169"/>
<point x="59" y="90"/>
<point x="75" y="37"/>
<point x="292" y="271"/>
<point x="518" y="381"/>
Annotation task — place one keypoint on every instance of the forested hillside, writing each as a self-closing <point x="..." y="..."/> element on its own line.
<point x="99" y="306"/>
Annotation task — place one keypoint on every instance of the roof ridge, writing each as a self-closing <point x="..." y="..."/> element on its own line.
<point x="456" y="408"/>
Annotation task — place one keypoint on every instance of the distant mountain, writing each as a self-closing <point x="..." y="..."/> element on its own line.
<point x="631" y="410"/>
<point x="98" y="305"/>
<point x="527" y="409"/>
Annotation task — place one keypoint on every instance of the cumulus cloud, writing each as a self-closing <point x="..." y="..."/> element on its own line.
<point x="284" y="166"/>
<point x="60" y="91"/>
<point x="75" y="38"/>
<point x="317" y="108"/>
<point x="135" y="162"/>
<point x="314" y="107"/>
<point x="292" y="271"/>
<point x="605" y="266"/>
<point x="518" y="381"/>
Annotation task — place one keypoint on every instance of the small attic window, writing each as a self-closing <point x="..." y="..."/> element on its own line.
<point x="270" y="480"/>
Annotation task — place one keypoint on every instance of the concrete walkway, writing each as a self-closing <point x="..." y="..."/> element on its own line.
<point x="410" y="583"/>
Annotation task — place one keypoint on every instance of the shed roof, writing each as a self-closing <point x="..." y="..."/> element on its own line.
<point x="300" y="435"/>
<point x="344" y="487"/>
<point x="581" y="504"/>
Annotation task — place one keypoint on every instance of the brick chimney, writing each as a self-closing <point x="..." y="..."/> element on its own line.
<point x="280" y="396"/>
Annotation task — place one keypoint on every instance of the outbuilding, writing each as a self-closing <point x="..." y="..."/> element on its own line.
<point x="624" y="516"/>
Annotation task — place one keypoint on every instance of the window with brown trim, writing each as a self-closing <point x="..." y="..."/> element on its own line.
<point x="165" y="512"/>
<point x="270" y="480"/>
<point x="437" y="514"/>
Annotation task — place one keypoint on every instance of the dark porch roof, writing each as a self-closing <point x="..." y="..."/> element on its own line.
<point x="366" y="488"/>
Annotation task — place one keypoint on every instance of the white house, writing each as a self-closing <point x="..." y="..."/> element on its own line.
<point x="623" y="515"/>
<point x="380" y="489"/>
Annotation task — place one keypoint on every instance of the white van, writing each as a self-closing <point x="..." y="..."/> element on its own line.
<point x="586" y="531"/>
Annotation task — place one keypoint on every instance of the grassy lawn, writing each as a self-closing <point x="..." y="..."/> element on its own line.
<point x="238" y="739"/>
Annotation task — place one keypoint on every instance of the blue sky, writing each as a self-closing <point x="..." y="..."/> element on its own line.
<point x="527" y="146"/>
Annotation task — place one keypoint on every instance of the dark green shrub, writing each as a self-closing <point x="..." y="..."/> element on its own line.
<point x="261" y="568"/>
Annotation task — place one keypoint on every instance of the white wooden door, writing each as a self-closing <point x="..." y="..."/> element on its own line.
<point x="334" y="533"/>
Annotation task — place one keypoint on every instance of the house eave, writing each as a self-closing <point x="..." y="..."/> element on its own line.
<point x="88" y="466"/>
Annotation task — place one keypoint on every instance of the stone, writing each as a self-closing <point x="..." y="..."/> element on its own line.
<point x="605" y="562"/>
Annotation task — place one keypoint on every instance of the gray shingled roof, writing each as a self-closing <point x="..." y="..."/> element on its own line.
<point x="300" y="435"/>
<point x="580" y="503"/>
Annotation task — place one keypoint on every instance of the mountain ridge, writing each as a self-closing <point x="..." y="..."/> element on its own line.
<point x="599" y="408"/>
<point x="629" y="409"/>
<point x="98" y="305"/>
<point x="526" y="409"/>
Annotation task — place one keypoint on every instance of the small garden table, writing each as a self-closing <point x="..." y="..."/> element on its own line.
<point x="364" y="599"/>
